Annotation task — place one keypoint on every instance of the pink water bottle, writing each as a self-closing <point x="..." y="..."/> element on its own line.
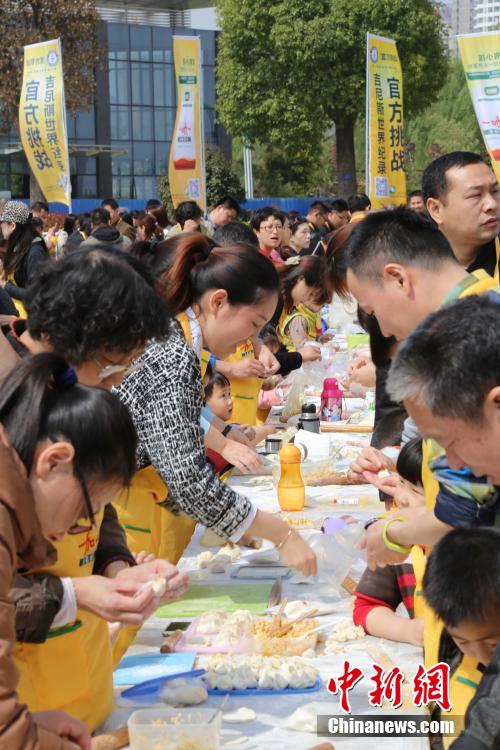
<point x="331" y="401"/>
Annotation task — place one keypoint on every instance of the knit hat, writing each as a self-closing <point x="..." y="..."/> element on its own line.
<point x="15" y="211"/>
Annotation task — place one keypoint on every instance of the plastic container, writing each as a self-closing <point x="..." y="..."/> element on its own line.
<point x="174" y="729"/>
<point x="291" y="490"/>
<point x="336" y="550"/>
<point x="331" y="401"/>
<point x="370" y="400"/>
<point x="309" y="420"/>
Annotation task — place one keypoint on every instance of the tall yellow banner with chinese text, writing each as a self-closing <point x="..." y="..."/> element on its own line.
<point x="42" y="120"/>
<point x="186" y="171"/>
<point x="385" y="175"/>
<point x="480" y="55"/>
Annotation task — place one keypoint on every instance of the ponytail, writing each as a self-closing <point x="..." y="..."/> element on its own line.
<point x="245" y="274"/>
<point x="312" y="268"/>
<point x="41" y="399"/>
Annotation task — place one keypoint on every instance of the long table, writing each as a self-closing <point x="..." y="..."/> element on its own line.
<point x="268" y="731"/>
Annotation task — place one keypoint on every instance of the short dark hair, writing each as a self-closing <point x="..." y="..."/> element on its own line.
<point x="110" y="202"/>
<point x="322" y="206"/>
<point x="153" y="203"/>
<point x="69" y="223"/>
<point x="187" y="210"/>
<point x="94" y="300"/>
<point x="339" y="205"/>
<point x="462" y="575"/>
<point x="448" y="369"/>
<point x="226" y="201"/>
<point x="311" y="268"/>
<point x="409" y="463"/>
<point x="39" y="399"/>
<point x="235" y="233"/>
<point x="396" y="236"/>
<point x="416" y="194"/>
<point x="358" y="202"/>
<point x="40" y="206"/>
<point x="434" y="183"/>
<point x="100" y="216"/>
<point x="216" y="379"/>
<point x="264" y="213"/>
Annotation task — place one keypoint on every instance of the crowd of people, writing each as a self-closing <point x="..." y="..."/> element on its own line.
<point x="139" y="357"/>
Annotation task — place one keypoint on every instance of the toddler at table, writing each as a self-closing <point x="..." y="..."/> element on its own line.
<point x="381" y="591"/>
<point x="218" y="399"/>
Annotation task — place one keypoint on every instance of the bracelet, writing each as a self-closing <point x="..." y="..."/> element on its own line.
<point x="227" y="429"/>
<point x="392" y="545"/>
<point x="285" y="540"/>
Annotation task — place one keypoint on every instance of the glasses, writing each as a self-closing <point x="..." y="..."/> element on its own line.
<point x="108" y="371"/>
<point x="270" y="227"/>
<point x="86" y="500"/>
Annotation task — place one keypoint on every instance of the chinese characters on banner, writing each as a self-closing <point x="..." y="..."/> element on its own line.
<point x="385" y="176"/>
<point x="480" y="55"/>
<point x="186" y="170"/>
<point x="42" y="120"/>
<point x="428" y="686"/>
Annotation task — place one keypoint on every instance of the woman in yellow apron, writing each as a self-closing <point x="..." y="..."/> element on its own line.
<point x="25" y="250"/>
<point x="303" y="280"/>
<point x="226" y="295"/>
<point x="59" y="673"/>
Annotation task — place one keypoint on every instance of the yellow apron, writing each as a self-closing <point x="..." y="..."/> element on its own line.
<point x="149" y="527"/>
<point x="17" y="302"/>
<point x="433" y="627"/>
<point x="313" y="320"/>
<point x="245" y="393"/>
<point x="73" y="670"/>
<point x="496" y="274"/>
<point x="463" y="685"/>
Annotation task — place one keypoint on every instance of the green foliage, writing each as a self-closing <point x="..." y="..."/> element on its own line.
<point x="450" y="122"/>
<point x="275" y="174"/>
<point x="289" y="69"/>
<point x="221" y="180"/>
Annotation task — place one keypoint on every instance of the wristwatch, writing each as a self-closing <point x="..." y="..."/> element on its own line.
<point x="227" y="429"/>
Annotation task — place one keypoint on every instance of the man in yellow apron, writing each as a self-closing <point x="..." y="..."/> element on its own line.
<point x="414" y="287"/>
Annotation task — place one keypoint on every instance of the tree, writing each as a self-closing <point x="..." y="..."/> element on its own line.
<point x="221" y="180"/>
<point x="76" y="23"/>
<point x="290" y="69"/>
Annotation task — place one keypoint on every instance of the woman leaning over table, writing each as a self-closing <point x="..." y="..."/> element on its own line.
<point x="229" y="293"/>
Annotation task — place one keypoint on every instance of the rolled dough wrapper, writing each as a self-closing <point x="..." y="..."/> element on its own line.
<point x="111" y="740"/>
<point x="169" y="644"/>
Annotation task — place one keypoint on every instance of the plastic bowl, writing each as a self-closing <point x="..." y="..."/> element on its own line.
<point x="174" y="729"/>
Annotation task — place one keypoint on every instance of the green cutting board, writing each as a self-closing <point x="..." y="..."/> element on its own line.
<point x="223" y="597"/>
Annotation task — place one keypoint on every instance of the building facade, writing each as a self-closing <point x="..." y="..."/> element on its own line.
<point x="472" y="16"/>
<point x="121" y="146"/>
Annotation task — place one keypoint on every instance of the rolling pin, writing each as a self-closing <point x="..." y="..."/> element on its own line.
<point x="111" y="740"/>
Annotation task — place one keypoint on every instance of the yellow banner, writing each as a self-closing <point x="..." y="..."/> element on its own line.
<point x="385" y="176"/>
<point x="42" y="120"/>
<point x="186" y="171"/>
<point x="480" y="55"/>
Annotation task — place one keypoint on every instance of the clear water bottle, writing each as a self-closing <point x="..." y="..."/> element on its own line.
<point x="336" y="550"/>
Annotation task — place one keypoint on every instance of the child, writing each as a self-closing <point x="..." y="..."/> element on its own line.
<point x="302" y="282"/>
<point x="462" y="586"/>
<point x="380" y="592"/>
<point x="218" y="398"/>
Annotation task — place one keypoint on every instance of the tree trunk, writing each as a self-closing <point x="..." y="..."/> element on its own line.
<point x="35" y="190"/>
<point x="346" y="159"/>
